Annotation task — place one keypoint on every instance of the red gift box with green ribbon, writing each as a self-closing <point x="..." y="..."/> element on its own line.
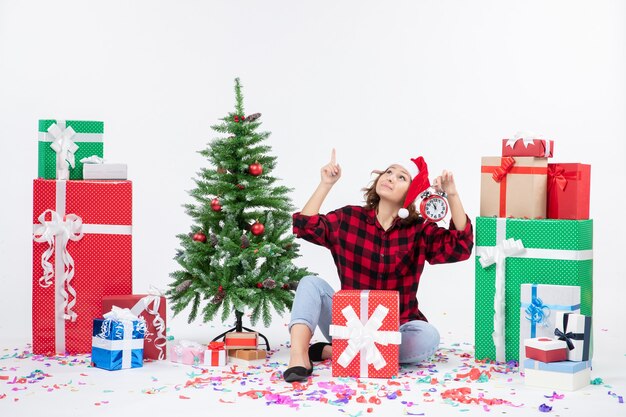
<point x="569" y="187"/>
<point x="82" y="252"/>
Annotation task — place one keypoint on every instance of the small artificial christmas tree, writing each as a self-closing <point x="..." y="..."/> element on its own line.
<point x="239" y="252"/>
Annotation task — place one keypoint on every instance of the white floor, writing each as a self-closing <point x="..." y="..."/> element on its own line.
<point x="68" y="386"/>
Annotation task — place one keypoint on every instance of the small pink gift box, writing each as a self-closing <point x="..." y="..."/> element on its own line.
<point x="187" y="352"/>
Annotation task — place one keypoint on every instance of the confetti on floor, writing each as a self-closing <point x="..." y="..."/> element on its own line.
<point x="452" y="380"/>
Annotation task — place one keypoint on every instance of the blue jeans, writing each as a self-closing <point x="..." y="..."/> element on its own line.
<point x="312" y="306"/>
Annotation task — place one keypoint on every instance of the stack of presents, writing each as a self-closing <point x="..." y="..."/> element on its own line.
<point x="82" y="255"/>
<point x="534" y="264"/>
<point x="240" y="345"/>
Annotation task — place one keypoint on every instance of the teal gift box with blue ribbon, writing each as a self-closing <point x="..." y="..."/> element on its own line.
<point x="511" y="252"/>
<point x="117" y="342"/>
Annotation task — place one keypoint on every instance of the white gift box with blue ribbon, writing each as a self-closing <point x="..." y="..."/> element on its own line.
<point x="539" y="305"/>
<point x="117" y="341"/>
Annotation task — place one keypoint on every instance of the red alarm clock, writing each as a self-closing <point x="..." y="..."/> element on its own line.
<point x="433" y="206"/>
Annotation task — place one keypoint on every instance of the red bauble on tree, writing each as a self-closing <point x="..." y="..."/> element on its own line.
<point x="199" y="237"/>
<point x="259" y="285"/>
<point x="215" y="205"/>
<point x="255" y="169"/>
<point x="257" y="229"/>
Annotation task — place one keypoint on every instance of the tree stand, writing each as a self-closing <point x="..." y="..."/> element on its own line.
<point x="239" y="327"/>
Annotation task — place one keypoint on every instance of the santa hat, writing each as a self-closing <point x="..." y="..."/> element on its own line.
<point x="419" y="174"/>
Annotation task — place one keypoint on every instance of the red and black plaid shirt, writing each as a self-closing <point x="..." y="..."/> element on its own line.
<point x="369" y="257"/>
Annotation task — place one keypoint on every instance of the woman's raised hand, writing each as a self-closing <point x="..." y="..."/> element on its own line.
<point x="331" y="172"/>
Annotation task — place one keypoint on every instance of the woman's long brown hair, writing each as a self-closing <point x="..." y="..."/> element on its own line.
<point x="372" y="199"/>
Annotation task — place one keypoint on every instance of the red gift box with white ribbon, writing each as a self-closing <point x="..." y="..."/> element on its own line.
<point x="151" y="308"/>
<point x="82" y="252"/>
<point x="365" y="330"/>
<point x="215" y="354"/>
<point x="527" y="146"/>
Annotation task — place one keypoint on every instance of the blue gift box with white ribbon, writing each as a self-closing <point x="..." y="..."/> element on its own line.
<point x="117" y="342"/>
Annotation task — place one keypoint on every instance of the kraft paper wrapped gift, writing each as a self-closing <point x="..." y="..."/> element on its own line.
<point x="545" y="349"/>
<point x="63" y="143"/>
<point x="215" y="355"/>
<point x="151" y="308"/>
<point x="248" y="354"/>
<point x="569" y="187"/>
<point x="513" y="187"/>
<point x="187" y="352"/>
<point x="365" y="329"/>
<point x="241" y="340"/>
<point x="565" y="375"/>
<point x="522" y="146"/>
<point x="117" y="341"/>
<point x="82" y="252"/>
<point x="576" y="331"/>
<point x="539" y="306"/>
<point x="511" y="252"/>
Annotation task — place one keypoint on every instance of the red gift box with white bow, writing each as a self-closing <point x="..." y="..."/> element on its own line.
<point x="523" y="146"/>
<point x="82" y="252"/>
<point x="365" y="330"/>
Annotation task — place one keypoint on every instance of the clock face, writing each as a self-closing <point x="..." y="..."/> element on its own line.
<point x="434" y="208"/>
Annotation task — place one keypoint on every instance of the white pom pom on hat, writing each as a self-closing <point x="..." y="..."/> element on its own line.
<point x="419" y="174"/>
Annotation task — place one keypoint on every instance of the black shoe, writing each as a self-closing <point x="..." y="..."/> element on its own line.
<point x="316" y="349"/>
<point x="297" y="373"/>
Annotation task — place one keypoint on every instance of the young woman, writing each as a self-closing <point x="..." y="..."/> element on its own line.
<point x="374" y="248"/>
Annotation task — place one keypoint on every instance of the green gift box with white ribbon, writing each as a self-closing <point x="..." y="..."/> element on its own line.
<point x="511" y="252"/>
<point x="63" y="143"/>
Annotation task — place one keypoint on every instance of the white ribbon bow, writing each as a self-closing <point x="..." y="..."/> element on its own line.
<point x="363" y="337"/>
<point x="526" y="138"/>
<point x="124" y="333"/>
<point x="118" y="313"/>
<point x="498" y="254"/>
<point x="64" y="229"/>
<point x="64" y="147"/>
<point x="93" y="159"/>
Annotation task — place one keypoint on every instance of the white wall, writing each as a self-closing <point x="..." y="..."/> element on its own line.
<point x="377" y="80"/>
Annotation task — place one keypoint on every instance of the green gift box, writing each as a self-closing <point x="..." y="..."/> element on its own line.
<point x="87" y="138"/>
<point x="511" y="252"/>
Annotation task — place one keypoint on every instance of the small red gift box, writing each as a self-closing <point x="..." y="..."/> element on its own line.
<point x="545" y="349"/>
<point x="151" y="308"/>
<point x="215" y="354"/>
<point x="241" y="340"/>
<point x="82" y="251"/>
<point x="568" y="191"/>
<point x="366" y="340"/>
<point x="517" y="146"/>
